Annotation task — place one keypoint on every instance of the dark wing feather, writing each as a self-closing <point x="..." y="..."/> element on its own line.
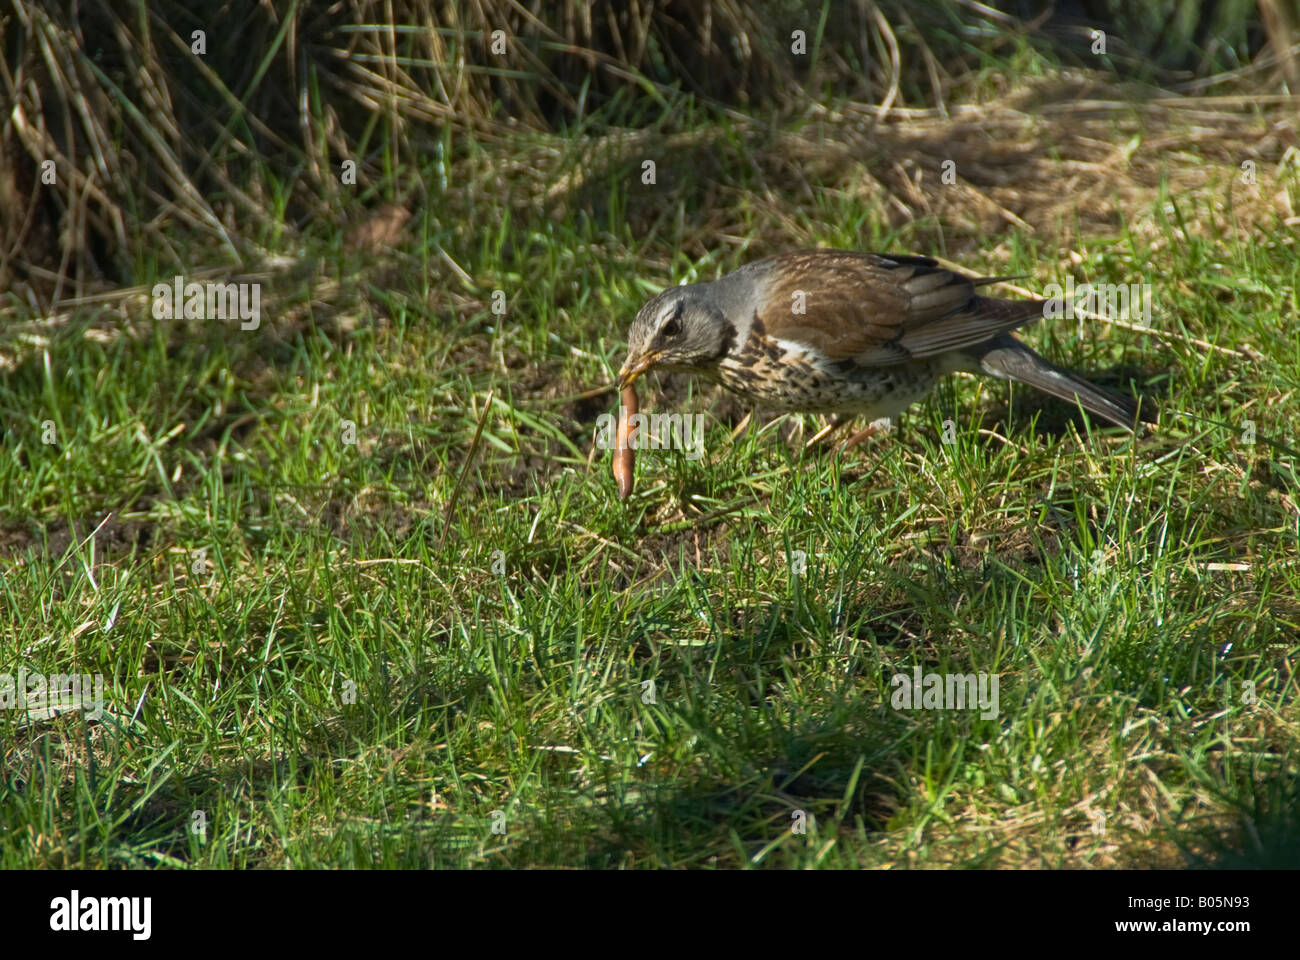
<point x="873" y="309"/>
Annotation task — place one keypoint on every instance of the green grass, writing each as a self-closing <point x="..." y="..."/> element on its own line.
<point x="303" y="649"/>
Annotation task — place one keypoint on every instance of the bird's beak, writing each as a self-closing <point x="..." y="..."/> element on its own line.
<point x="633" y="369"/>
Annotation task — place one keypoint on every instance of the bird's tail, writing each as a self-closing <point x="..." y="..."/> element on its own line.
<point x="1005" y="356"/>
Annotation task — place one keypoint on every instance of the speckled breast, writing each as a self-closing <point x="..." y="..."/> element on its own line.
<point x="780" y="379"/>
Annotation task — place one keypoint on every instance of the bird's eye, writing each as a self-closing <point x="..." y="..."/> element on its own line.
<point x="674" y="324"/>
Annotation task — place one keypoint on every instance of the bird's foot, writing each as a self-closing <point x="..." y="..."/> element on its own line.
<point x="870" y="431"/>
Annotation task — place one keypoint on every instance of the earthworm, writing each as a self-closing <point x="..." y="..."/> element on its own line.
<point x="624" y="455"/>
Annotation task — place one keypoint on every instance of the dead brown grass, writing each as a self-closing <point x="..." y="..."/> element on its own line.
<point x="154" y="147"/>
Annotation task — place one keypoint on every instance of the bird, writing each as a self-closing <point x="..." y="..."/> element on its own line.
<point x="850" y="334"/>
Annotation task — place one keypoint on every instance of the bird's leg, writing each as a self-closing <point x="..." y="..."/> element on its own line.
<point x="835" y="424"/>
<point x="741" y="427"/>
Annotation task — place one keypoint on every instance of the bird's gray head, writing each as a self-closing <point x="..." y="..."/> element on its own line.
<point x="679" y="330"/>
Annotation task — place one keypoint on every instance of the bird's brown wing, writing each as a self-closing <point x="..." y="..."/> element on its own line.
<point x="874" y="309"/>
